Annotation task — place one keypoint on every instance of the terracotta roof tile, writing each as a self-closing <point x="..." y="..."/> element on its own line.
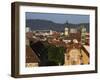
<point x="31" y="55"/>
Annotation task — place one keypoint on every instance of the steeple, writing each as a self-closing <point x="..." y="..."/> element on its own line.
<point x="66" y="23"/>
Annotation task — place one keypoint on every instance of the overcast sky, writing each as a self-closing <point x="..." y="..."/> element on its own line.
<point x="59" y="18"/>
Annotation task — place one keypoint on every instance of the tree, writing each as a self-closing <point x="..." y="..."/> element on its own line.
<point x="56" y="54"/>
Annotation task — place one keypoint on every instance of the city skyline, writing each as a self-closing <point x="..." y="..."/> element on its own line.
<point x="57" y="39"/>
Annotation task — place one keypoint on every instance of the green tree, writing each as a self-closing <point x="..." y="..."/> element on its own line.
<point x="56" y="54"/>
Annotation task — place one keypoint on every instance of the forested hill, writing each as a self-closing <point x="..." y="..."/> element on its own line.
<point x="37" y="24"/>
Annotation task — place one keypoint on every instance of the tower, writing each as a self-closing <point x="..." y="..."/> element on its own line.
<point x="51" y="32"/>
<point x="27" y="29"/>
<point x="66" y="31"/>
<point x="83" y="34"/>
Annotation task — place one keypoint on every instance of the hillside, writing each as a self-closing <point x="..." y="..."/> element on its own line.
<point x="36" y="24"/>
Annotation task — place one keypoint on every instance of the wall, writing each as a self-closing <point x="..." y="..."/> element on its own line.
<point x="5" y="40"/>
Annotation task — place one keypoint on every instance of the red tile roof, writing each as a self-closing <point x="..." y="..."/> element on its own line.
<point x="31" y="56"/>
<point x="29" y="35"/>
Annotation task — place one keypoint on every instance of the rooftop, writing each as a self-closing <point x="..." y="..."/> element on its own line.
<point x="31" y="56"/>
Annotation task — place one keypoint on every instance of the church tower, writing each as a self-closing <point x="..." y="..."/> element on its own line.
<point x="66" y="29"/>
<point x="83" y="34"/>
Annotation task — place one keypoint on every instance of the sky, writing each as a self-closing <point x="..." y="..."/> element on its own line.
<point x="59" y="18"/>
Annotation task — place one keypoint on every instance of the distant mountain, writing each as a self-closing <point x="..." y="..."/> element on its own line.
<point x="37" y="24"/>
